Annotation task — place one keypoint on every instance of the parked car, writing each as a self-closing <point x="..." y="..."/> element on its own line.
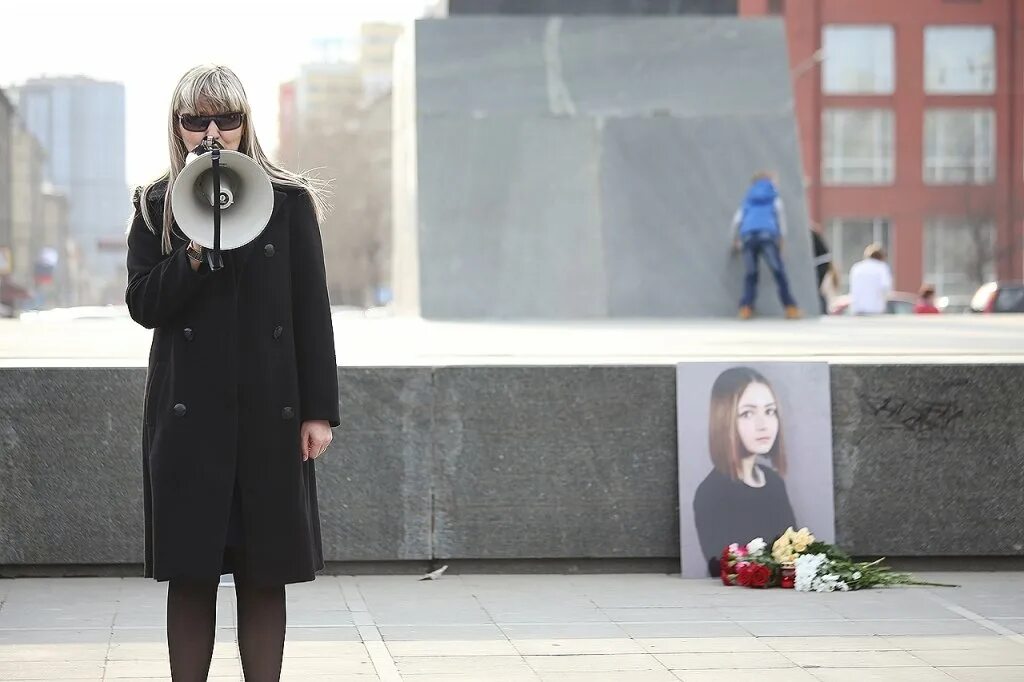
<point x="999" y="297"/>
<point x="900" y="303"/>
<point x="954" y="305"/>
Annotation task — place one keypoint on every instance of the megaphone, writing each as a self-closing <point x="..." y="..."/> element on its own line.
<point x="237" y="204"/>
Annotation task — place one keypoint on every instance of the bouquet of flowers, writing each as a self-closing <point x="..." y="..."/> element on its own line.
<point x="819" y="566"/>
<point x="791" y="544"/>
<point x="743" y="565"/>
<point x="822" y="567"/>
<point x="733" y="558"/>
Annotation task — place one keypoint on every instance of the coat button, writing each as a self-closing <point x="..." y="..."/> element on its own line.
<point x="268" y="250"/>
<point x="287" y="413"/>
<point x="189" y="334"/>
<point x="278" y="330"/>
<point x="180" y="410"/>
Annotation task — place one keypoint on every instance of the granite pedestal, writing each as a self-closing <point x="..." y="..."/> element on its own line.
<point x="534" y="463"/>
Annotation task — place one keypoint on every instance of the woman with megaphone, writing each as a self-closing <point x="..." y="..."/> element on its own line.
<point x="226" y="265"/>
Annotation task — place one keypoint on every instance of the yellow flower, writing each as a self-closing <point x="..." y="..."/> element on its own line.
<point x="790" y="544"/>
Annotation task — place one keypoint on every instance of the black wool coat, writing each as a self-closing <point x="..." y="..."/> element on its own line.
<point x="241" y="357"/>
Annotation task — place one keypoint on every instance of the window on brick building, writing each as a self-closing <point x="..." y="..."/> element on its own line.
<point x="857" y="147"/>
<point x="848" y="237"/>
<point x="959" y="60"/>
<point x="776" y="6"/>
<point x="959" y="253"/>
<point x="959" y="146"/>
<point x="857" y="60"/>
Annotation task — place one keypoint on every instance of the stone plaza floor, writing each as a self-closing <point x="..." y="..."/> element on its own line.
<point x="408" y="341"/>
<point x="591" y="628"/>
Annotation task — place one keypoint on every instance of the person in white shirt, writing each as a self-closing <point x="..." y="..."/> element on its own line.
<point x="870" y="283"/>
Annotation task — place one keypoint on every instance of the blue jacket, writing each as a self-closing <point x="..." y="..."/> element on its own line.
<point x="759" y="210"/>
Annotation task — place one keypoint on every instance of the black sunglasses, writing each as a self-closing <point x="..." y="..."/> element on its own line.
<point x="197" y="124"/>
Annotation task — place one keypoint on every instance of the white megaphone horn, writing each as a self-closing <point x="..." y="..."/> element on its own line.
<point x="246" y="199"/>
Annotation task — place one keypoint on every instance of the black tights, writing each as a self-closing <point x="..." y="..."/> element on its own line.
<point x="192" y="624"/>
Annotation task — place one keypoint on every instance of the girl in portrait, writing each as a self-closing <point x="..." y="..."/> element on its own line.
<point x="744" y="496"/>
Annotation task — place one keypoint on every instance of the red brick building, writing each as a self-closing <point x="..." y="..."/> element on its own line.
<point x="912" y="131"/>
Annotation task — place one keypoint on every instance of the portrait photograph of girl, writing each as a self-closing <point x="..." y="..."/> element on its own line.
<point x="755" y="456"/>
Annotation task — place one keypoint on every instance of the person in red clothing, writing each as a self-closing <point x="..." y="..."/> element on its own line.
<point x="926" y="301"/>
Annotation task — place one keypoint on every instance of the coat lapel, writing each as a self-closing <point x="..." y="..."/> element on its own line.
<point x="243" y="253"/>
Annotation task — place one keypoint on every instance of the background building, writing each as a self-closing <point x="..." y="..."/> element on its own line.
<point x="376" y="55"/>
<point x="80" y="122"/>
<point x="578" y="7"/>
<point x="57" y="287"/>
<point x="335" y="123"/>
<point x="27" y="161"/>
<point x="911" y="131"/>
<point x="6" y="246"/>
<point x="33" y="222"/>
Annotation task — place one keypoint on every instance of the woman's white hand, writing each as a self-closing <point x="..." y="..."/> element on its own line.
<point x="315" y="437"/>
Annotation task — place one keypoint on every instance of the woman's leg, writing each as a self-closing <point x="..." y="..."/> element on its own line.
<point x="261" y="628"/>
<point x="191" y="624"/>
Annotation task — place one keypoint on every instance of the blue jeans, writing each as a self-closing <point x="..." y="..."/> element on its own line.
<point x="765" y="245"/>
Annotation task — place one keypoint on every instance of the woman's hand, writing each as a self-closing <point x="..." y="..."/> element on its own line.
<point x="191" y="261"/>
<point x="315" y="437"/>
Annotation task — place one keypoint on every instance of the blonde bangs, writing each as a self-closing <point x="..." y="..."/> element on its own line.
<point x="210" y="90"/>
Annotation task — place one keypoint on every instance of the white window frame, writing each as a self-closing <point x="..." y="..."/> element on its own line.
<point x="933" y="46"/>
<point x="940" y="276"/>
<point x="883" y="166"/>
<point x="943" y="169"/>
<point x="885" y="80"/>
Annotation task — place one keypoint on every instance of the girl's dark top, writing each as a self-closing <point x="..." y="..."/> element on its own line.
<point x="728" y="511"/>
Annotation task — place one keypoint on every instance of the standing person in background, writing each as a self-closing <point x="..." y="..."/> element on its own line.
<point x="822" y="265"/>
<point x="829" y="288"/>
<point x="926" y="301"/>
<point x="759" y="226"/>
<point x="870" y="283"/>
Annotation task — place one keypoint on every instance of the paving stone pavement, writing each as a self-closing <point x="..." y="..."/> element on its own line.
<point x="557" y="628"/>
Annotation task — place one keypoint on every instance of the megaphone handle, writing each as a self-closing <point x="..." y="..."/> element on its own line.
<point x="216" y="262"/>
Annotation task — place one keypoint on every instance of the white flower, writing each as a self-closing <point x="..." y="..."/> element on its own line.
<point x="807" y="568"/>
<point x="828" y="583"/>
<point x="756" y="546"/>
<point x="856" y="575"/>
<point x="734" y="548"/>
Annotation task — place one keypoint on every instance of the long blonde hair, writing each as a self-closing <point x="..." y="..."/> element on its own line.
<point x="217" y="89"/>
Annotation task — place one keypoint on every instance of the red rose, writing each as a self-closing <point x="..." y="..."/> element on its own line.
<point x="725" y="563"/>
<point x="743" y="573"/>
<point x="753" y="575"/>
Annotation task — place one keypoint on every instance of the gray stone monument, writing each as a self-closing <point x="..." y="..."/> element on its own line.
<point x="601" y="7"/>
<point x="574" y="168"/>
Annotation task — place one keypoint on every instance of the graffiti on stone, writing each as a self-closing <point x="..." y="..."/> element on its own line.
<point x="916" y="415"/>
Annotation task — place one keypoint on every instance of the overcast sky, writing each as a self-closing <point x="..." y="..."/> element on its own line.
<point x="148" y="46"/>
